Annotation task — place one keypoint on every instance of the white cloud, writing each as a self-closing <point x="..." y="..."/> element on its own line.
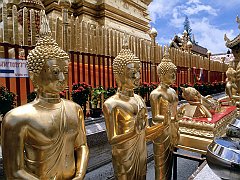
<point x="161" y="8"/>
<point x="196" y="8"/>
<point x="210" y="36"/>
<point x="177" y="18"/>
<point x="164" y="40"/>
<point x="207" y="34"/>
<point x="193" y="1"/>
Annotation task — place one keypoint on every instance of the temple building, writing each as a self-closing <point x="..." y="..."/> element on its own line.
<point x="181" y="43"/>
<point x="131" y="16"/>
<point x="234" y="45"/>
<point x="226" y="57"/>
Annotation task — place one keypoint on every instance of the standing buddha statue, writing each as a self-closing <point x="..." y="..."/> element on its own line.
<point x="164" y="102"/>
<point x="45" y="139"/>
<point x="126" y="120"/>
<point x="232" y="95"/>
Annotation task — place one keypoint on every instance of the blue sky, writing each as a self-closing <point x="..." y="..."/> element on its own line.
<point x="209" y="20"/>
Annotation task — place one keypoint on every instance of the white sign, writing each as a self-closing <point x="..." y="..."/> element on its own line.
<point x="13" y="68"/>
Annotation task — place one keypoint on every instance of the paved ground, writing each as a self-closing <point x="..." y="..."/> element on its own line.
<point x="103" y="154"/>
<point x="185" y="167"/>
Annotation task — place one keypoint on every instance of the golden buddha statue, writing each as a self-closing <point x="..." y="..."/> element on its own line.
<point x="126" y="120"/>
<point x="231" y="88"/>
<point x="45" y="139"/>
<point x="194" y="108"/>
<point x="164" y="102"/>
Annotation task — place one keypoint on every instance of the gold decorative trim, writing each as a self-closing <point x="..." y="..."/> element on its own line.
<point x="206" y="129"/>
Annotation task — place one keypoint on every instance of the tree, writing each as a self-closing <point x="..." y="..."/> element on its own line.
<point x="187" y="27"/>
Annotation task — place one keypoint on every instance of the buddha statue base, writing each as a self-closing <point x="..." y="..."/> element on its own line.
<point x="197" y="133"/>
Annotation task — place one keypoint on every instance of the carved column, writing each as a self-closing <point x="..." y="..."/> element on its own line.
<point x="65" y="5"/>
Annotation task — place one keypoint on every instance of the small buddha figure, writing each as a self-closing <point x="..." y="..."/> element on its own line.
<point x="194" y="108"/>
<point x="45" y="139"/>
<point x="164" y="102"/>
<point x="231" y="87"/>
<point x="126" y="120"/>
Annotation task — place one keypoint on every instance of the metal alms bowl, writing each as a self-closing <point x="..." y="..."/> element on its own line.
<point x="223" y="157"/>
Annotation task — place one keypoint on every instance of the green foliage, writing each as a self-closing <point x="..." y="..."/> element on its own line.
<point x="7" y="100"/>
<point x="187" y="27"/>
<point x="96" y="95"/>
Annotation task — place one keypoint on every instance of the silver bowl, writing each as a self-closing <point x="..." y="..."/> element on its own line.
<point x="223" y="157"/>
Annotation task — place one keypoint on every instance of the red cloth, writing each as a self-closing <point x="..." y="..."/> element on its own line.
<point x="225" y="110"/>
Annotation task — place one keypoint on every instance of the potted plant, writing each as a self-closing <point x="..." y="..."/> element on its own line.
<point x="7" y="100"/>
<point x="97" y="96"/>
<point x="80" y="94"/>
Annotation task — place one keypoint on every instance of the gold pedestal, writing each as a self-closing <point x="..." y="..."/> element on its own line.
<point x="197" y="133"/>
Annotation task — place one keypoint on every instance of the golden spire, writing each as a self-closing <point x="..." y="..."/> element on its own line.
<point x="166" y="55"/>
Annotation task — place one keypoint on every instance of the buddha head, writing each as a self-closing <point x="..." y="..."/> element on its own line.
<point x="126" y="68"/>
<point x="166" y="70"/>
<point x="47" y="63"/>
<point x="191" y="94"/>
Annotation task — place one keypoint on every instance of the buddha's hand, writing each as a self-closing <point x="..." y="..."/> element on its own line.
<point x="140" y="121"/>
<point x="175" y="133"/>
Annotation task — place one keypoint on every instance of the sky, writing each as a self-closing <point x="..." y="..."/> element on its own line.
<point x="209" y="20"/>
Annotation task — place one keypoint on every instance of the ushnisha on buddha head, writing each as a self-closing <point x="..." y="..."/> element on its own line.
<point x="126" y="68"/>
<point x="47" y="63"/>
<point x="166" y="70"/>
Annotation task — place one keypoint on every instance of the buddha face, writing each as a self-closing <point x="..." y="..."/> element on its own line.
<point x="53" y="77"/>
<point x="169" y="78"/>
<point x="191" y="94"/>
<point x="132" y="75"/>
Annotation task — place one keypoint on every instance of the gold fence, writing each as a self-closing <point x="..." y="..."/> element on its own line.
<point x="73" y="34"/>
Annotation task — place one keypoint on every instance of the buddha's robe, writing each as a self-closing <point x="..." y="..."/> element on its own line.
<point x="50" y="138"/>
<point x="129" y="157"/>
<point x="164" y="144"/>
